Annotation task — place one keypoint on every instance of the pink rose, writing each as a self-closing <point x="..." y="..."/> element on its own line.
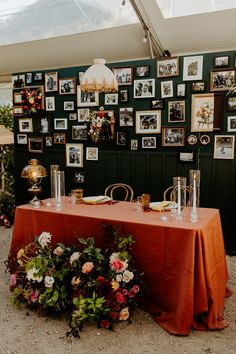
<point x="135" y="288"/>
<point x="34" y="296"/>
<point x="117" y="265"/>
<point x="87" y="267"/>
<point x="12" y="281"/>
<point x="120" y="298"/>
<point x="131" y="293"/>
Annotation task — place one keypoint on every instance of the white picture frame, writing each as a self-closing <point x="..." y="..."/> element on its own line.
<point x="144" y="88"/>
<point x="60" y="123"/>
<point x="192" y="68"/>
<point x="79" y="132"/>
<point x="87" y="99"/>
<point x="22" y="139"/>
<point x="224" y="146"/>
<point x="69" y="105"/>
<point x="149" y="142"/>
<point x="202" y="113"/>
<point x="167" y="89"/>
<point x="25" y="125"/>
<point x="50" y="103"/>
<point x="51" y="81"/>
<point x="83" y="114"/>
<point x="91" y="153"/>
<point x="74" y="155"/>
<point x="148" y="122"/>
<point x="231" y="124"/>
<point x="111" y="99"/>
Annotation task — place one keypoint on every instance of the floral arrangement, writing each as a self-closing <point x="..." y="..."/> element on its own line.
<point x="206" y="113"/>
<point x="32" y="100"/>
<point x="101" y="125"/>
<point x="7" y="209"/>
<point x="93" y="286"/>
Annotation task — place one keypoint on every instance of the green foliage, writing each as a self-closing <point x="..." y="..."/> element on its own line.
<point x="6" y="116"/>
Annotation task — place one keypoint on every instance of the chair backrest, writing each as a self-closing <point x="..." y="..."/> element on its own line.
<point x="169" y="194"/>
<point x="122" y="190"/>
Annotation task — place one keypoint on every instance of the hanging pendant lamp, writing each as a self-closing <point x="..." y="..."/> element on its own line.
<point x="99" y="77"/>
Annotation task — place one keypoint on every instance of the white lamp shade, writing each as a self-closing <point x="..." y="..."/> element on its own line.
<point x="6" y="136"/>
<point x="99" y="77"/>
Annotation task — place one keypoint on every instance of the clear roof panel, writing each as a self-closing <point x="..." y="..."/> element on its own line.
<point x="178" y="8"/>
<point x="27" y="20"/>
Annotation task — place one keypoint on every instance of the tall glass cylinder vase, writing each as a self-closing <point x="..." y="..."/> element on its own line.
<point x="59" y="183"/>
<point x="179" y="196"/>
<point x="53" y="168"/>
<point x="194" y="184"/>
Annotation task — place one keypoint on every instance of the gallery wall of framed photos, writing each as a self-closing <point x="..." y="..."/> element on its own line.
<point x="164" y="108"/>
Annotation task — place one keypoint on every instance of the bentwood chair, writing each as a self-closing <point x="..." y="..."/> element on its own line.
<point x="169" y="194"/>
<point x="122" y="191"/>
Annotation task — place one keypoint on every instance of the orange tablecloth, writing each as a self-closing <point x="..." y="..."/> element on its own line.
<point x="183" y="263"/>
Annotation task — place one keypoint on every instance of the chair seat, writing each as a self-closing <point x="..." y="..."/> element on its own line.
<point x="122" y="191"/>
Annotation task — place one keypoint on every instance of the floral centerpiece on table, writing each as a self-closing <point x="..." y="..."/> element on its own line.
<point x="91" y="285"/>
<point x="32" y="100"/>
<point x="101" y="125"/>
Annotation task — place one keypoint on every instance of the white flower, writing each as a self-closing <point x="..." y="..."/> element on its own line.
<point x="58" y="251"/>
<point x="127" y="276"/>
<point x="32" y="274"/>
<point x="74" y="257"/>
<point x="114" y="256"/>
<point x="48" y="281"/>
<point x="44" y="239"/>
<point x="119" y="277"/>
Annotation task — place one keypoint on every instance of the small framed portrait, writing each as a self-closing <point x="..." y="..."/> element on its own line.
<point x="167" y="89"/>
<point x="124" y="96"/>
<point x="48" y="140"/>
<point x="79" y="132"/>
<point x="224" y="146"/>
<point x="25" y="125"/>
<point x="176" y="111"/>
<point x="124" y="75"/>
<point x="21" y="139"/>
<point x="67" y="86"/>
<point x="126" y="118"/>
<point x="35" y="145"/>
<point x="74" y="155"/>
<point x="72" y="116"/>
<point x="231" y="124"/>
<point x="29" y="78"/>
<point x="157" y="104"/>
<point x="222" y="79"/>
<point x="198" y="86"/>
<point x="220" y="62"/>
<point x="51" y="82"/>
<point x="142" y="71"/>
<point x="192" y="139"/>
<point x="173" y="136"/>
<point x="111" y="99"/>
<point x="168" y="67"/>
<point x="69" y="105"/>
<point x="80" y="177"/>
<point x="192" y="68"/>
<point x="134" y="144"/>
<point x="91" y="153"/>
<point x="202" y="116"/>
<point x="17" y="98"/>
<point x="38" y="76"/>
<point x="144" y="88"/>
<point x="181" y="90"/>
<point x="187" y="156"/>
<point x="121" y="138"/>
<point x="45" y="125"/>
<point x="50" y="103"/>
<point x="87" y="99"/>
<point x="80" y="75"/>
<point x="205" y="139"/>
<point x="18" y="81"/>
<point x="60" y="123"/>
<point x="59" y="138"/>
<point x="18" y="110"/>
<point x="148" y="122"/>
<point x="83" y="114"/>
<point x="231" y="104"/>
<point x="149" y="142"/>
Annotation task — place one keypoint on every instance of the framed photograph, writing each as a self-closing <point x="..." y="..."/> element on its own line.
<point x="224" y="146"/>
<point x="80" y="75"/>
<point x="21" y="139"/>
<point x="45" y="125"/>
<point x="59" y="138"/>
<point x="231" y="124"/>
<point x="74" y="155"/>
<point x="192" y="139"/>
<point x="126" y="118"/>
<point x="167" y="89"/>
<point x="50" y="103"/>
<point x="67" y="86"/>
<point x="134" y="144"/>
<point x="181" y="90"/>
<point x="144" y="88"/>
<point x="202" y="116"/>
<point x="173" y="136"/>
<point x="121" y="138"/>
<point x="198" y="86"/>
<point x="60" y="123"/>
<point x="38" y="76"/>
<point x="18" y="81"/>
<point x="17" y="98"/>
<point x="149" y="142"/>
<point x="69" y="105"/>
<point x="51" y="82"/>
<point x="80" y="177"/>
<point x="111" y="98"/>
<point x="83" y="114"/>
<point x="18" y="110"/>
<point x="221" y="61"/>
<point x="187" y="156"/>
<point x="48" y="140"/>
<point x="148" y="122"/>
<point x="176" y="111"/>
<point x="79" y="132"/>
<point x="25" y="125"/>
<point x="222" y="79"/>
<point x="91" y="153"/>
<point x="35" y="145"/>
<point x="231" y="104"/>
<point x="88" y="99"/>
<point x="168" y="67"/>
<point x="72" y="116"/>
<point x="124" y="96"/>
<point x="142" y="71"/>
<point x="192" y="68"/>
<point x="205" y="139"/>
<point x="124" y="75"/>
<point x="157" y="104"/>
<point x="29" y="78"/>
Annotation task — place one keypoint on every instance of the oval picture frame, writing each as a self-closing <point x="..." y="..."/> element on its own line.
<point x="205" y="139"/>
<point x="192" y="139"/>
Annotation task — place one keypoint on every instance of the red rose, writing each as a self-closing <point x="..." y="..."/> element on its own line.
<point x="100" y="279"/>
<point x="131" y="293"/>
<point x="120" y="298"/>
<point x="105" y="324"/>
<point x="114" y="315"/>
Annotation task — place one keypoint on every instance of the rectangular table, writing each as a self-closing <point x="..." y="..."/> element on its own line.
<point x="184" y="263"/>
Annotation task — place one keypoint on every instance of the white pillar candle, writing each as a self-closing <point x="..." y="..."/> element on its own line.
<point x="179" y="197"/>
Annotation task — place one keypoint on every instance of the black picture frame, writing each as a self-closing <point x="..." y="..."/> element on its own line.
<point x="142" y="71"/>
<point x="80" y="177"/>
<point x="231" y="104"/>
<point x="124" y="96"/>
<point x="221" y="61"/>
<point x="157" y="104"/>
<point x="198" y="86"/>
